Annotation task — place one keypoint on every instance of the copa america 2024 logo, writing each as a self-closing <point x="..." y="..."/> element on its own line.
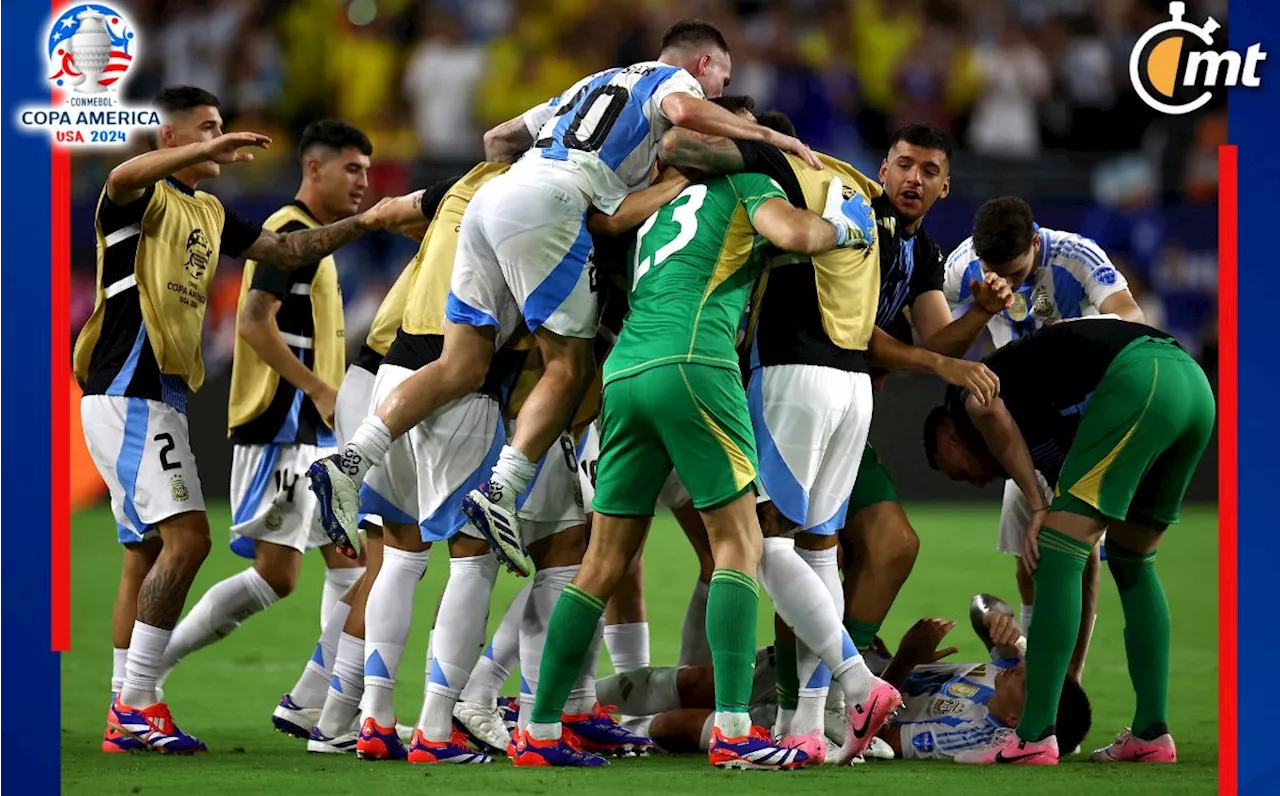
<point x="90" y="50"/>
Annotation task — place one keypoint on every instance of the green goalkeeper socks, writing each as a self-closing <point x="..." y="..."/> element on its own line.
<point x="731" y="632"/>
<point x="862" y="633"/>
<point x="569" y="633"/>
<point x="1054" y="633"/>
<point x="1146" y="637"/>
<point x="787" y="678"/>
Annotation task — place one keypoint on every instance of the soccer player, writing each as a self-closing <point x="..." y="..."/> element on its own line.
<point x="812" y="329"/>
<point x="523" y="252"/>
<point x="673" y="399"/>
<point x="289" y="358"/>
<point x="137" y="359"/>
<point x="1054" y="275"/>
<point x="1115" y="416"/>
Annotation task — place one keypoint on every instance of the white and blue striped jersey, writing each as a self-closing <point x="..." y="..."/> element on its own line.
<point x="603" y="133"/>
<point x="945" y="709"/>
<point x="1072" y="279"/>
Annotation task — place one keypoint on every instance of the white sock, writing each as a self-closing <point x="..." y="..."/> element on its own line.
<point x="582" y="698"/>
<point x="628" y="645"/>
<point x="118" y="659"/>
<point x="336" y="584"/>
<point x="220" y="611"/>
<point x="342" y="703"/>
<point x="512" y="473"/>
<point x="733" y="725"/>
<point x="388" y="615"/>
<point x="802" y="600"/>
<point x="545" y="732"/>
<point x="640" y="692"/>
<point x="814" y="675"/>
<point x="782" y="722"/>
<point x="146" y="650"/>
<point x="547" y="585"/>
<point x="500" y="657"/>
<point x="367" y="448"/>
<point x="313" y="685"/>
<point x="456" y="640"/>
<point x="1024" y="615"/>
<point x="694" y="648"/>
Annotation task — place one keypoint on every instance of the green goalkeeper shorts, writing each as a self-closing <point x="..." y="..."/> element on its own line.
<point x="1140" y="438"/>
<point x="874" y="484"/>
<point x="690" y="418"/>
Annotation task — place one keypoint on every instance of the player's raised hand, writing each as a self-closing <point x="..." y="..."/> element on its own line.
<point x="226" y="148"/>
<point x="1003" y="629"/>
<point x="789" y="143"/>
<point x="975" y="377"/>
<point x="854" y="222"/>
<point x="920" y="643"/>
<point x="992" y="293"/>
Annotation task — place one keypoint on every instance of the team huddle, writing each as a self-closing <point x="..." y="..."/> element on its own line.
<point x="645" y="294"/>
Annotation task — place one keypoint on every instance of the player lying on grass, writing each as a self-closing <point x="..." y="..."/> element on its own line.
<point x="1116" y="415"/>
<point x="949" y="707"/>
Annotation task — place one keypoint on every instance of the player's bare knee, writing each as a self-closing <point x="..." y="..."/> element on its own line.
<point x="696" y="686"/>
<point x="772" y="522"/>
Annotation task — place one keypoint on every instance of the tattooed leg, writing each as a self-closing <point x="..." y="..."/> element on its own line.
<point x="185" y="543"/>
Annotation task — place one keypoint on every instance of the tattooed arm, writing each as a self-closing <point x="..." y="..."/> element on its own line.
<point x="306" y="246"/>
<point x="699" y="152"/>
<point x="507" y="141"/>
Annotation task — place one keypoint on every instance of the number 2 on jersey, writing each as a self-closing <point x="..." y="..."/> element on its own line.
<point x="686" y="215"/>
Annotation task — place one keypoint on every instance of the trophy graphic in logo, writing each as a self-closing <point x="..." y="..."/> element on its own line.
<point x="90" y="48"/>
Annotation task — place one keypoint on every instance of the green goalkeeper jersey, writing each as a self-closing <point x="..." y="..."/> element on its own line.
<point x="692" y="270"/>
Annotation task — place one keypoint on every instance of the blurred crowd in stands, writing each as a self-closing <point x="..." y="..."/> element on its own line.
<point x="1035" y="91"/>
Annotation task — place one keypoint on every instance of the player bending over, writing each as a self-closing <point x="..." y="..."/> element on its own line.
<point x="523" y="255"/>
<point x="137" y="359"/>
<point x="1055" y="275"/>
<point x="1115" y="415"/>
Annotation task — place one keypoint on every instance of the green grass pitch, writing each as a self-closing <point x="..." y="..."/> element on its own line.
<point x="226" y="692"/>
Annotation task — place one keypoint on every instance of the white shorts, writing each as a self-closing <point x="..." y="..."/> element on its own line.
<point x="553" y="501"/>
<point x="428" y="471"/>
<point x="270" y="500"/>
<point x="142" y="450"/>
<point x="523" y="251"/>
<point x="673" y="494"/>
<point x="1015" y="513"/>
<point x="350" y="410"/>
<point x="811" y="425"/>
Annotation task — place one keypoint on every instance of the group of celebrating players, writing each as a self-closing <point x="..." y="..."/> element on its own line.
<point x="645" y="294"/>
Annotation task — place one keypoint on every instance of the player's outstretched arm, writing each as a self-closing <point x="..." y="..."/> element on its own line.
<point x="1122" y="305"/>
<point x="639" y="205"/>
<point x="257" y="326"/>
<point x="792" y="229"/>
<point x="305" y="246"/>
<point x="128" y="181"/>
<point x="692" y="151"/>
<point x="931" y="316"/>
<point x="699" y="115"/>
<point x="892" y="354"/>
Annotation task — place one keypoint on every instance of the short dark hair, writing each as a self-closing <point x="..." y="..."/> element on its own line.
<point x="692" y="32"/>
<point x="334" y="134"/>
<point x="1075" y="716"/>
<point x="1002" y="229"/>
<point x="932" y="422"/>
<point x="175" y="99"/>
<point x="776" y="121"/>
<point x="925" y="136"/>
<point x="736" y="103"/>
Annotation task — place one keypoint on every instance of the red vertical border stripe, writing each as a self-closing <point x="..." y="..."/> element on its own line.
<point x="1228" y="449"/>
<point x="60" y="396"/>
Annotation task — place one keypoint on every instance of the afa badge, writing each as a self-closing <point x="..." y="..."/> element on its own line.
<point x="178" y="489"/>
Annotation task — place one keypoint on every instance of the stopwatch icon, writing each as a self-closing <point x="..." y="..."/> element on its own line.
<point x="1140" y="56"/>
